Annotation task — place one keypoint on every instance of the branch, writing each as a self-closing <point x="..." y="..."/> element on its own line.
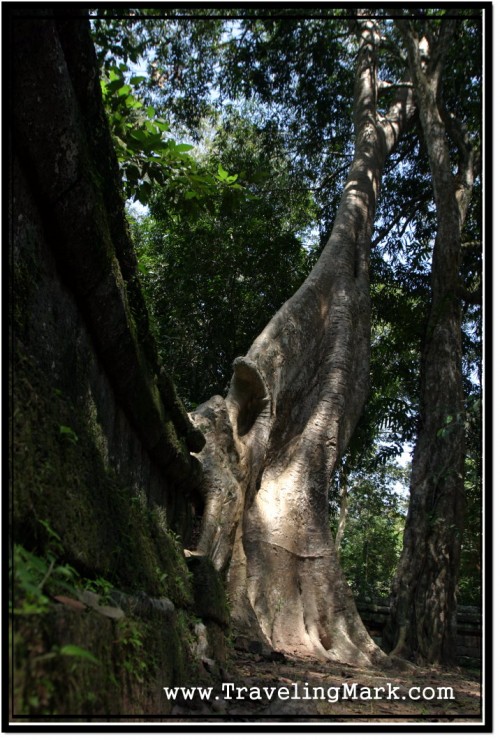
<point x="394" y="51"/>
<point x="457" y="130"/>
<point x="331" y="176"/>
<point x="415" y="202"/>
<point x="384" y="86"/>
<point x="440" y="46"/>
<point x="365" y="97"/>
<point x="459" y="134"/>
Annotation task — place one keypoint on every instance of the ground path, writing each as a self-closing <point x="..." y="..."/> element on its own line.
<point x="275" y="686"/>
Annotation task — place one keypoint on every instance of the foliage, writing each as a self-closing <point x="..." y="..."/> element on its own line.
<point x="373" y="535"/>
<point x="470" y="574"/>
<point x="75" y="651"/>
<point x="35" y="578"/>
<point x="146" y="156"/>
<point x="131" y="640"/>
<point x="274" y="92"/>
<point x="214" y="272"/>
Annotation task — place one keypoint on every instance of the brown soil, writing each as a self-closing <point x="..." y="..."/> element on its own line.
<point x="358" y="699"/>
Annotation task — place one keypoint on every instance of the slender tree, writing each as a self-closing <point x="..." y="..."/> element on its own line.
<point x="423" y="624"/>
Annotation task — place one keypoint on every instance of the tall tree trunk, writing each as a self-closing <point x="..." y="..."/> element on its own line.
<point x="423" y="619"/>
<point x="293" y="403"/>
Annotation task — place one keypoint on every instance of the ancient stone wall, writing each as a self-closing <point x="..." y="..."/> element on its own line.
<point x="469" y="628"/>
<point x="103" y="478"/>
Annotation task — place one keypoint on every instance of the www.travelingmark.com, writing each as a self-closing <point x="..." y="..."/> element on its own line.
<point x="303" y="692"/>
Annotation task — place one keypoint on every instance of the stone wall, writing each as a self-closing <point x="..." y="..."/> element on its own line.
<point x="103" y="477"/>
<point x="469" y="628"/>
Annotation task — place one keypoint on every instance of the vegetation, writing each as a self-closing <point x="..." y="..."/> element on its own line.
<point x="208" y="311"/>
<point x="215" y="268"/>
<point x="300" y="269"/>
<point x="372" y="536"/>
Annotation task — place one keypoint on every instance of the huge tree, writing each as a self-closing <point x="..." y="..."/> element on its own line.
<point x="297" y="395"/>
<point x="294" y="401"/>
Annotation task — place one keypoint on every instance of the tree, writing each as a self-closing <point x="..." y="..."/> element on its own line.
<point x="216" y="268"/>
<point x="372" y="536"/>
<point x="273" y="442"/>
<point x="424" y="610"/>
<point x="278" y="408"/>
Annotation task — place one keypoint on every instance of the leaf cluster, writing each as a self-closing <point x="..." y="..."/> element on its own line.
<point x="216" y="270"/>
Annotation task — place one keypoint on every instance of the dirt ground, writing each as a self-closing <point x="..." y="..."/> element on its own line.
<point x="312" y="691"/>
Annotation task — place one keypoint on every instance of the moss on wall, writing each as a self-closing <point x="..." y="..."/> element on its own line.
<point x="100" y="448"/>
<point x="82" y="664"/>
<point x="59" y="478"/>
<point x="82" y="527"/>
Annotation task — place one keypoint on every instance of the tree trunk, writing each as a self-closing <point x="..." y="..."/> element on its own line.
<point x="344" y="491"/>
<point x="293" y="403"/>
<point x="423" y="618"/>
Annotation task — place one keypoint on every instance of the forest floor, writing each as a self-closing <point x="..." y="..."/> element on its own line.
<point x="314" y="691"/>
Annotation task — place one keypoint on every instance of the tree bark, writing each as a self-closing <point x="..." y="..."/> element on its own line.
<point x="423" y="617"/>
<point x="343" y="510"/>
<point x="293" y="403"/>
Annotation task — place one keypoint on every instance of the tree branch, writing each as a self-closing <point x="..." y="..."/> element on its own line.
<point x="384" y="86"/>
<point x="415" y="202"/>
<point x="440" y="47"/>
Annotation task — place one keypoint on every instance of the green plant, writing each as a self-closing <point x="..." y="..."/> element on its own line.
<point x="75" y="651"/>
<point x="68" y="434"/>
<point x="35" y="578"/>
<point x="131" y="641"/>
<point x="147" y="156"/>
<point x="67" y="651"/>
<point x="98" y="585"/>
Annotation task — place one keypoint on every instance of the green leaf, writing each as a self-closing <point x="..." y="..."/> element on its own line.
<point x="47" y="526"/>
<point x="141" y="265"/>
<point x="140" y="135"/>
<point x="133" y="172"/>
<point x="121" y="144"/>
<point x="183" y="147"/>
<point x="137" y="79"/>
<point x="222" y="172"/>
<point x="74" y="651"/>
<point x="132" y="103"/>
<point x="68" y="434"/>
<point x="123" y="91"/>
<point x="114" y="85"/>
<point x="143" y="192"/>
<point x="66" y="571"/>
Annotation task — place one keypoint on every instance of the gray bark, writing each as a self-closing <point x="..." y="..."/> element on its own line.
<point x="423" y="621"/>
<point x="293" y="404"/>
